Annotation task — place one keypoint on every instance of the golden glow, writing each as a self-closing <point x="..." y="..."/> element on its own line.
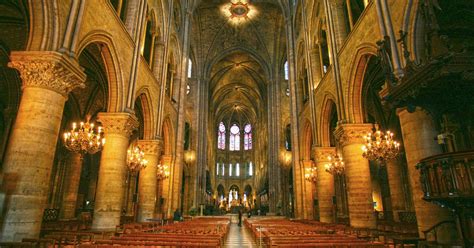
<point x="136" y="159"/>
<point x="238" y="11"/>
<point x="311" y="174"/>
<point x="380" y="146"/>
<point x="335" y="165"/>
<point x="162" y="171"/>
<point x="189" y="156"/>
<point x="84" y="139"/>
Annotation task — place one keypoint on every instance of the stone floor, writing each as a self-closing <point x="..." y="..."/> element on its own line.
<point x="239" y="237"/>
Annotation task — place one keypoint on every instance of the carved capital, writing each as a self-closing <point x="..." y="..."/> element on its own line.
<point x="118" y="123"/>
<point x="314" y="53"/>
<point x="150" y="147"/>
<point x="321" y="154"/>
<point x="49" y="70"/>
<point x="347" y="134"/>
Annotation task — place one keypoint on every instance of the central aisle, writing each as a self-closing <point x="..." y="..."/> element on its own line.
<point x="239" y="237"/>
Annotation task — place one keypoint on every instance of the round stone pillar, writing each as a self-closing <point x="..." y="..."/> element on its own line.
<point x="72" y="179"/>
<point x="359" y="185"/>
<point x="339" y="21"/>
<point x="113" y="169"/>
<point x="397" y="198"/>
<point x="309" y="187"/>
<point x="419" y="134"/>
<point x="47" y="78"/>
<point x="325" y="184"/>
<point x="147" y="182"/>
<point x="165" y="193"/>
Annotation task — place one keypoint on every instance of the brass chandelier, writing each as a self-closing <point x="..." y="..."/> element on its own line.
<point x="162" y="172"/>
<point x="335" y="165"/>
<point x="311" y="174"/>
<point x="380" y="146"/>
<point x="84" y="138"/>
<point x="136" y="159"/>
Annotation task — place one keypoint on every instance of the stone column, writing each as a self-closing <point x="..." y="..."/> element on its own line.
<point x="397" y="198"/>
<point x="325" y="183"/>
<point x="130" y="190"/>
<point x="113" y="171"/>
<point x="147" y="183"/>
<point x="158" y="64"/>
<point x="419" y="131"/>
<point x="134" y="12"/>
<point x="308" y="193"/>
<point x="315" y="57"/>
<point x="359" y="185"/>
<point x="339" y="19"/>
<point x="166" y="187"/>
<point x="9" y="115"/>
<point x="71" y="186"/>
<point x="47" y="78"/>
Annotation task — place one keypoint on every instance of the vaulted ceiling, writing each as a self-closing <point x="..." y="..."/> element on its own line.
<point x="238" y="55"/>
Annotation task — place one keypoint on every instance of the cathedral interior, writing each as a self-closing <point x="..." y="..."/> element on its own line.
<point x="166" y="122"/>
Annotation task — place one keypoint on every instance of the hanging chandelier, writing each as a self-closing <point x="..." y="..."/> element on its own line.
<point x="136" y="159"/>
<point x="335" y="165"/>
<point x="162" y="172"/>
<point x="84" y="139"/>
<point x="311" y="174"/>
<point x="380" y="146"/>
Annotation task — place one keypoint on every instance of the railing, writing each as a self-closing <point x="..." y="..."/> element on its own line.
<point x="446" y="180"/>
<point x="447" y="176"/>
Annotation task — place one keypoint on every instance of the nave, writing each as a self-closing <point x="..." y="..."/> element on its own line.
<point x="224" y="231"/>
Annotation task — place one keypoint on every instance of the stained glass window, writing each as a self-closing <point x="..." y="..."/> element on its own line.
<point x="237" y="169"/>
<point x="221" y="136"/>
<point x="234" y="139"/>
<point x="190" y="68"/>
<point x="248" y="137"/>
<point x="287" y="77"/>
<point x="250" y="169"/>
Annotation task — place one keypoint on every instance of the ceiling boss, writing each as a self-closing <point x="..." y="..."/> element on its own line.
<point x="238" y="11"/>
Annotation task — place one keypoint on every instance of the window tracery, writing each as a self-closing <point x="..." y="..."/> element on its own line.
<point x="248" y="137"/>
<point x="221" y="136"/>
<point x="234" y="139"/>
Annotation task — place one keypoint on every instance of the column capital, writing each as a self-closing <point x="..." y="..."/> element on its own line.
<point x="50" y="70"/>
<point x="151" y="147"/>
<point x="314" y="52"/>
<point x="160" y="44"/>
<point x="322" y="153"/>
<point x="118" y="123"/>
<point x="347" y="134"/>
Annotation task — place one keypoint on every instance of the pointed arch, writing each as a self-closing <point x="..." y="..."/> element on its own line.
<point x="168" y="136"/>
<point x="112" y="67"/>
<point x="329" y="106"/>
<point x="44" y="25"/>
<point x="147" y="111"/>
<point x="307" y="140"/>
<point x="357" y="72"/>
